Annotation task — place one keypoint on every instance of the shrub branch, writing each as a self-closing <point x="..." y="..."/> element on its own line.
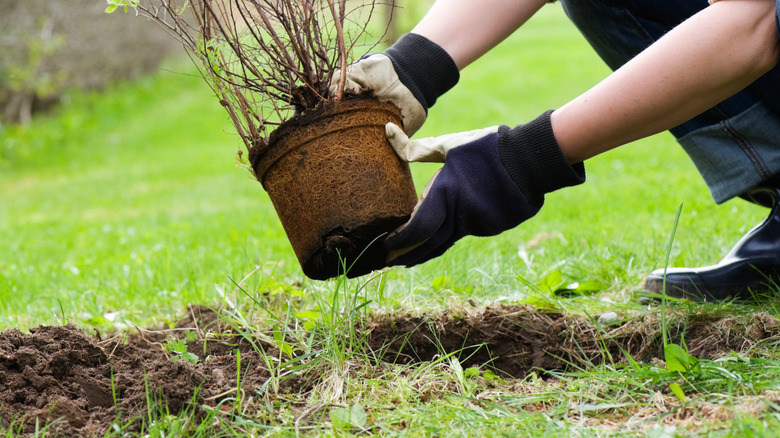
<point x="265" y="60"/>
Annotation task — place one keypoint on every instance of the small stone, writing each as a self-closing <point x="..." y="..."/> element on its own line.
<point x="608" y="318"/>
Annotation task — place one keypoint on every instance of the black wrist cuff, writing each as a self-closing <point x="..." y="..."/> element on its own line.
<point x="423" y="67"/>
<point x="534" y="160"/>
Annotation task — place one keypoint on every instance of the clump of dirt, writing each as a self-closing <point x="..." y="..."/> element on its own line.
<point x="516" y="340"/>
<point x="84" y="383"/>
<point x="61" y="373"/>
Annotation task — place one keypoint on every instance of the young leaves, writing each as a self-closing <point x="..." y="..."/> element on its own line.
<point x="347" y="418"/>
<point x="678" y="360"/>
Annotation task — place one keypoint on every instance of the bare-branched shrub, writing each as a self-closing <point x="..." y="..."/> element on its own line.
<point x="266" y="60"/>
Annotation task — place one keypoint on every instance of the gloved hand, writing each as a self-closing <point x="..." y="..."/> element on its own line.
<point x="412" y="74"/>
<point x="492" y="180"/>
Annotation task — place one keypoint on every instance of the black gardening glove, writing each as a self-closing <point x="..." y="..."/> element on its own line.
<point x="492" y="180"/>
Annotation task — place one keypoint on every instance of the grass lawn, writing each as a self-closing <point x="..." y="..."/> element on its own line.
<point x="122" y="209"/>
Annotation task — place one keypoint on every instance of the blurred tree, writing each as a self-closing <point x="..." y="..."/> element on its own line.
<point x="47" y="46"/>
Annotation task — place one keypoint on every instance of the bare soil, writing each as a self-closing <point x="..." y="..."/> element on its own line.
<point x="515" y="340"/>
<point x="62" y="373"/>
<point x="85" y="382"/>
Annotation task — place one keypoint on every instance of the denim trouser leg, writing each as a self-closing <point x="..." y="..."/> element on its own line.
<point x="736" y="144"/>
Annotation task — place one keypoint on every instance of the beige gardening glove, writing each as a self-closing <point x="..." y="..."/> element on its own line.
<point x="412" y="74"/>
<point x="430" y="149"/>
<point x="376" y="73"/>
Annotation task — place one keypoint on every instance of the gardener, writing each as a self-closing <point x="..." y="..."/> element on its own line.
<point x="705" y="72"/>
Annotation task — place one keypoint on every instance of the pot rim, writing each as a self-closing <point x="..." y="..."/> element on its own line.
<point x="278" y="148"/>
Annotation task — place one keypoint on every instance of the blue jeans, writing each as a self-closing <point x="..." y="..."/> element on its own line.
<point x="736" y="144"/>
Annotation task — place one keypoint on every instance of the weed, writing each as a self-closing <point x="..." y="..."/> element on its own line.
<point x="348" y="418"/>
<point x="179" y="351"/>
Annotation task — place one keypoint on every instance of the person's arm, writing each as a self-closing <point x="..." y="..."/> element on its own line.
<point x="495" y="178"/>
<point x="425" y="63"/>
<point x="467" y="29"/>
<point x="701" y="62"/>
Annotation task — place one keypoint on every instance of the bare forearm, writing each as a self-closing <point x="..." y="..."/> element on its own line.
<point x="703" y="61"/>
<point x="468" y="29"/>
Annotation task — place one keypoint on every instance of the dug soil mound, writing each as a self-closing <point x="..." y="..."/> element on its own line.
<point x="85" y="385"/>
<point x="515" y="340"/>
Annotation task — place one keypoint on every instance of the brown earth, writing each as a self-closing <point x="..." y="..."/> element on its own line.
<point x="515" y="340"/>
<point x="86" y="382"/>
<point x="64" y="373"/>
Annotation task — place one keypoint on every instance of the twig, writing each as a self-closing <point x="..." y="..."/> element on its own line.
<point x="265" y="60"/>
<point x="338" y="20"/>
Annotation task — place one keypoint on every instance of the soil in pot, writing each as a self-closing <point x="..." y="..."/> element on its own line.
<point x="337" y="185"/>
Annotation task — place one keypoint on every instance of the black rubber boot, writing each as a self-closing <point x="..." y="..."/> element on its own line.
<point x="764" y="194"/>
<point x="752" y="267"/>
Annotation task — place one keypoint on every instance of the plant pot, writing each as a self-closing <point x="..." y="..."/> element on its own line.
<point x="337" y="185"/>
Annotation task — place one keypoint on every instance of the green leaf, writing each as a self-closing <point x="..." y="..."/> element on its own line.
<point x="98" y="321"/>
<point x="579" y="288"/>
<point x="471" y="372"/>
<point x="552" y="281"/>
<point x="190" y="357"/>
<point x="693" y="361"/>
<point x="440" y="282"/>
<point x="490" y="377"/>
<point x="455" y="363"/>
<point x="677" y="390"/>
<point x="283" y="346"/>
<point x="286" y="348"/>
<point x="679" y="260"/>
<point x="111" y="8"/>
<point x="178" y="346"/>
<point x="661" y="431"/>
<point x="590" y="286"/>
<point x="343" y="418"/>
<point x="339" y="418"/>
<point x="308" y="314"/>
<point x="358" y="416"/>
<point x="676" y="358"/>
<point x="178" y="349"/>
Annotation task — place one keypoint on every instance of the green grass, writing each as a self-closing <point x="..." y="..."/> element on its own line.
<point x="129" y="202"/>
<point x="122" y="208"/>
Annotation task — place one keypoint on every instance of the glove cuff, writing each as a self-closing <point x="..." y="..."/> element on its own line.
<point x="423" y="67"/>
<point x="534" y="160"/>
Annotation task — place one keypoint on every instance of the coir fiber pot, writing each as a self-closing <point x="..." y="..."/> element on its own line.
<point x="337" y="185"/>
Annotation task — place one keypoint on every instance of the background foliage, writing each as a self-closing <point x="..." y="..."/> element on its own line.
<point x="47" y="46"/>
